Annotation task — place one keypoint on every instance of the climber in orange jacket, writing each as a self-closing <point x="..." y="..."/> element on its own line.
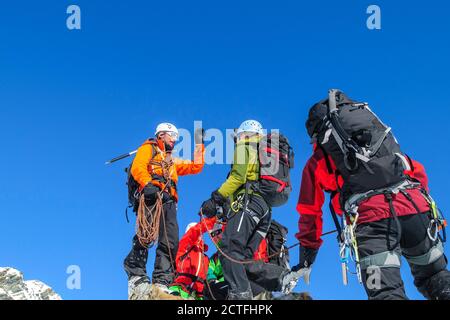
<point x="154" y="169"/>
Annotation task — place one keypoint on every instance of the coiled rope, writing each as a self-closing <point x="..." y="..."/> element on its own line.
<point x="149" y="218"/>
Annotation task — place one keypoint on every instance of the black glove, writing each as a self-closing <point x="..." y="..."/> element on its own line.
<point x="199" y="136"/>
<point x="307" y="258"/>
<point x="210" y="207"/>
<point x="150" y="192"/>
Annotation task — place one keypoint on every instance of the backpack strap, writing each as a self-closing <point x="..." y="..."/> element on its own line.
<point x="334" y="193"/>
<point x="153" y="144"/>
<point x="389" y="199"/>
<point x="334" y="214"/>
<point x="327" y="159"/>
<point x="411" y="164"/>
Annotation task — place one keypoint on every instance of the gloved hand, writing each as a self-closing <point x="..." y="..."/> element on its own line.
<point x="199" y="136"/>
<point x="307" y="258"/>
<point x="210" y="206"/>
<point x="150" y="192"/>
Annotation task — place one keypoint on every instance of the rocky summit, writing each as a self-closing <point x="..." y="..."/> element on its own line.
<point x="14" y="287"/>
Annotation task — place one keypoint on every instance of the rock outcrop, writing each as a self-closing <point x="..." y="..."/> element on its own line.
<point x="14" y="287"/>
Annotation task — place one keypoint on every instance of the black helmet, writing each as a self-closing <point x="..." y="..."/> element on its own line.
<point x="318" y="113"/>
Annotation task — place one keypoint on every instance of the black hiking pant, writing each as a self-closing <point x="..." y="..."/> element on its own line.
<point x="164" y="269"/>
<point x="263" y="277"/>
<point x="380" y="258"/>
<point x="244" y="232"/>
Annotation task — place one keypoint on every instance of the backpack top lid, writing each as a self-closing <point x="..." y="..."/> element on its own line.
<point x="319" y="112"/>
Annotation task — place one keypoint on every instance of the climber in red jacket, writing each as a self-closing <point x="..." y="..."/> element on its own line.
<point x="426" y="257"/>
<point x="398" y="219"/>
<point x="191" y="261"/>
<point x="319" y="176"/>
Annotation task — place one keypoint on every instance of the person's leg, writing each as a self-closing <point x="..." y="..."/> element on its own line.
<point x="425" y="257"/>
<point x="237" y="245"/>
<point x="216" y="291"/>
<point x="164" y="268"/>
<point x="136" y="262"/>
<point x="234" y="240"/>
<point x="267" y="275"/>
<point x="380" y="264"/>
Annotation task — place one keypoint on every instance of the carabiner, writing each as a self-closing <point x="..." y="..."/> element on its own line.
<point x="434" y="223"/>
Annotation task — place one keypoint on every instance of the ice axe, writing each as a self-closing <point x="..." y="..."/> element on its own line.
<point x="124" y="156"/>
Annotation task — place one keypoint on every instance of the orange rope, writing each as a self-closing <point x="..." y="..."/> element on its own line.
<point x="148" y="221"/>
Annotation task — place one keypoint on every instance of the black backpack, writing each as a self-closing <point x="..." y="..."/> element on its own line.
<point x="276" y="159"/>
<point x="133" y="185"/>
<point x="276" y="243"/>
<point x="366" y="153"/>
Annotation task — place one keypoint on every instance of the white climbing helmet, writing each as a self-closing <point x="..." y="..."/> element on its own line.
<point x="250" y="126"/>
<point x="190" y="225"/>
<point x="166" y="127"/>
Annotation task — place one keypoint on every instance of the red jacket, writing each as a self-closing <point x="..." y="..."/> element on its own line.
<point x="262" y="253"/>
<point x="317" y="179"/>
<point x="192" y="262"/>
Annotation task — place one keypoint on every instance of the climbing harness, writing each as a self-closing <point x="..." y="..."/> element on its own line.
<point x="348" y="246"/>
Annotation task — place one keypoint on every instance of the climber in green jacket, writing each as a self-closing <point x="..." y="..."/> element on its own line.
<point x="248" y="214"/>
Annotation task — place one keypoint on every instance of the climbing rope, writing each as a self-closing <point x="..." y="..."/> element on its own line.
<point x="149" y="218"/>
<point x="244" y="262"/>
<point x="148" y="221"/>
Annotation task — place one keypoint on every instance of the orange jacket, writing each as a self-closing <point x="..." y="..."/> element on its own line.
<point x="146" y="168"/>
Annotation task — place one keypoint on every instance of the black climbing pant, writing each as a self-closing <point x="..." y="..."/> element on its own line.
<point x="164" y="269"/>
<point x="263" y="277"/>
<point x="241" y="238"/>
<point x="380" y="258"/>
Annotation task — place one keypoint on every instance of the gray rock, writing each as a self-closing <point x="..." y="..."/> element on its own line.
<point x="14" y="287"/>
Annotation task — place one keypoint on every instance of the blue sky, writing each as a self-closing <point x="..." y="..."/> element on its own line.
<point x="70" y="100"/>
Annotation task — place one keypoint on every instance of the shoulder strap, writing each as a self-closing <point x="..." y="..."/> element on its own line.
<point x="334" y="214"/>
<point x="327" y="159"/>
<point x="411" y="164"/>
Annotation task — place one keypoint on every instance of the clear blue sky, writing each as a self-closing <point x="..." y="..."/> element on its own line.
<point x="69" y="100"/>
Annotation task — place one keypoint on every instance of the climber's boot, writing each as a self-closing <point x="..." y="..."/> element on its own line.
<point x="162" y="292"/>
<point x="139" y="288"/>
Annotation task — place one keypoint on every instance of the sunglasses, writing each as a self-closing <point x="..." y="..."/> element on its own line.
<point x="173" y="135"/>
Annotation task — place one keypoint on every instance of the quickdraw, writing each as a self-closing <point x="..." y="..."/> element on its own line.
<point x="437" y="223"/>
<point x="349" y="248"/>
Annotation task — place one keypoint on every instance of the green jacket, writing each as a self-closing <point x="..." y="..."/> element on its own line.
<point x="245" y="168"/>
<point x="215" y="271"/>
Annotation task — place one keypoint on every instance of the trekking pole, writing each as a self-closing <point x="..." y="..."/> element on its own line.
<point x="126" y="155"/>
